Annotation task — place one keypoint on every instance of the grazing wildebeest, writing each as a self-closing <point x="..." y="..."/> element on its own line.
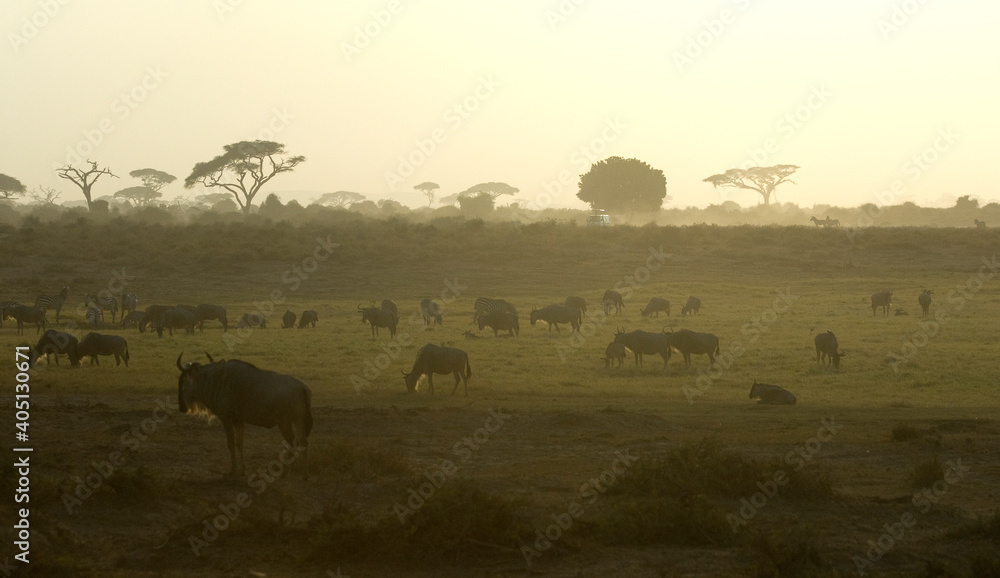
<point x="130" y="302"/>
<point x="309" y="317"/>
<point x="979" y="224"/>
<point x="288" y="319"/>
<point x="378" y="318"/>
<point x="827" y="346"/>
<point x="95" y="317"/>
<point x="53" y="342"/>
<point x="153" y="314"/>
<point x="689" y="342"/>
<point x="252" y="320"/>
<point x="556" y="314"/>
<point x="176" y="318"/>
<point x="614" y="351"/>
<point x="881" y="299"/>
<point x="94" y="344"/>
<point x="655" y="305"/>
<point x="642" y="342"/>
<point x="238" y="393"/>
<point x="24" y="314"/>
<point x="693" y="305"/>
<point x="46" y="302"/>
<point x="137" y="318"/>
<point x="578" y="302"/>
<point x="500" y="321"/>
<point x="484" y="306"/>
<point x="104" y="302"/>
<point x="4" y="306"/>
<point x="768" y="394"/>
<point x="612" y="299"/>
<point x="430" y="312"/>
<point x="925" y="300"/>
<point x="433" y="359"/>
<point x="203" y="313"/>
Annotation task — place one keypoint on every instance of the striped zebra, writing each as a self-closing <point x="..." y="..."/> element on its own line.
<point x="130" y="303"/>
<point x="4" y="306"/>
<point x="484" y="306"/>
<point x="109" y="303"/>
<point x="95" y="316"/>
<point x="46" y="302"/>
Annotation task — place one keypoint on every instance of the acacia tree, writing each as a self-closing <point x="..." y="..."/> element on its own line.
<point x="760" y="179"/>
<point x="152" y="178"/>
<point x="10" y="187"/>
<point x="428" y="189"/>
<point x="84" y="179"/>
<point x="243" y="169"/>
<point x="341" y="199"/>
<point x="138" y="196"/>
<point x="494" y="190"/>
<point x="624" y="185"/>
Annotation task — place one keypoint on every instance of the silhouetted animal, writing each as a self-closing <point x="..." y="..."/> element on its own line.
<point x="500" y="321"/>
<point x="485" y="305"/>
<point x="881" y="299"/>
<point x="45" y="302"/>
<point x="827" y="346"/>
<point x="578" y="302"/>
<point x="252" y="320"/>
<point x="203" y="313"/>
<point x="433" y="359"/>
<point x="176" y="318"/>
<point x="642" y="342"/>
<point x="614" y="351"/>
<point x="925" y="300"/>
<point x="53" y="342"/>
<point x="612" y="299"/>
<point x="693" y="305"/>
<point x="309" y="317"/>
<point x="430" y="312"/>
<point x="105" y="302"/>
<point x="771" y="394"/>
<point x="689" y="342"/>
<point x="24" y="314"/>
<point x="655" y="305"/>
<point x="379" y="318"/>
<point x="94" y="344"/>
<point x="556" y="314"/>
<point x="288" y="319"/>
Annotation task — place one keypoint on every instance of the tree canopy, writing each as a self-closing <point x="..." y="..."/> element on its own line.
<point x="763" y="180"/>
<point x="243" y="169"/>
<point x="428" y="188"/>
<point x="623" y="185"/>
<point x="152" y="178"/>
<point x="342" y="199"/>
<point x="138" y="196"/>
<point x="477" y="205"/>
<point x="494" y="190"/>
<point x="84" y="179"/>
<point x="10" y="187"/>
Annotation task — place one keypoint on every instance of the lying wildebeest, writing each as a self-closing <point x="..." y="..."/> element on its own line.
<point x="176" y="319"/>
<point x="642" y="342"/>
<point x="432" y="359"/>
<point x="238" y="393"/>
<point x="500" y="321"/>
<point x="614" y="351"/>
<point x="901" y="312"/>
<point x="288" y="319"/>
<point x="430" y="312"/>
<point x="578" y="302"/>
<point x="556" y="314"/>
<point x="378" y="318"/>
<point x="25" y="314"/>
<point x="768" y="394"/>
<point x="881" y="299"/>
<point x="470" y="335"/>
<point x="612" y="299"/>
<point x="693" y="305"/>
<point x="308" y="317"/>
<point x="252" y="320"/>
<point x="688" y="342"/>
<point x="655" y="305"/>
<point x="136" y="318"/>
<point x="53" y="342"/>
<point x="203" y="313"/>
<point x="94" y="344"/>
<point x="153" y="314"/>
<point x="925" y="300"/>
<point x="827" y="346"/>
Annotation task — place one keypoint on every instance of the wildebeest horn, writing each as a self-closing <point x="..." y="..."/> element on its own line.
<point x="210" y="360"/>
<point x="184" y="367"/>
<point x="842" y="353"/>
<point x="360" y="308"/>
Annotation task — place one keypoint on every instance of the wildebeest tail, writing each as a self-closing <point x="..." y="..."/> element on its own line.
<point x="717" y="348"/>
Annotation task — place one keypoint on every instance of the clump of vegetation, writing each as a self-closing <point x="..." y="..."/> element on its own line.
<point x="926" y="473"/>
<point x="982" y="527"/>
<point x="133" y="485"/>
<point x="790" y="551"/>
<point x="902" y="432"/>
<point x="361" y="462"/>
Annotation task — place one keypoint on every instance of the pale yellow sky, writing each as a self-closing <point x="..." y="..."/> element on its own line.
<point x="859" y="93"/>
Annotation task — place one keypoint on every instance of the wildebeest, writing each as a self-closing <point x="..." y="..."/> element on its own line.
<point x="130" y="303"/>
<point x="485" y="305"/>
<point x="203" y="313"/>
<point x="611" y="299"/>
<point x="578" y="302"/>
<point x="881" y="299"/>
<point x="979" y="224"/>
<point x="768" y="394"/>
<point x="46" y="302"/>
<point x="176" y="318"/>
<point x="105" y="302"/>
<point x="137" y="318"/>
<point x="94" y="344"/>
<point x="901" y="312"/>
<point x="153" y="314"/>
<point x="827" y="346"/>
<point x="288" y="319"/>
<point x="54" y="342"/>
<point x="378" y="318"/>
<point x="689" y="342"/>
<point x="24" y="314"/>
<point x="556" y="314"/>
<point x="95" y="317"/>
<point x="309" y="317"/>
<point x="430" y="312"/>
<point x="390" y="306"/>
<point x="500" y="321"/>
<point x="925" y="300"/>
<point x="238" y="393"/>
<point x="655" y="305"/>
<point x="4" y="306"/>
<point x="693" y="305"/>
<point x="252" y="320"/>
<point x="433" y="359"/>
<point x="470" y="335"/>
<point x="614" y="351"/>
<point x="643" y="342"/>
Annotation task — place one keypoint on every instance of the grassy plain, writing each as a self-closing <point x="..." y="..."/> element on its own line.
<point x="766" y="292"/>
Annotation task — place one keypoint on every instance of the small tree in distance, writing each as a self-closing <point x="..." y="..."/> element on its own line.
<point x="624" y="185"/>
<point x="84" y="179"/>
<point x="152" y="178"/>
<point x="341" y="199"/>
<point x="428" y="189"/>
<point x="243" y="169"/>
<point x="138" y="196"/>
<point x="494" y="190"/>
<point x="763" y="180"/>
<point x="10" y="187"/>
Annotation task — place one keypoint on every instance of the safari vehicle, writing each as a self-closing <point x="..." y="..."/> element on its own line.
<point x="599" y="218"/>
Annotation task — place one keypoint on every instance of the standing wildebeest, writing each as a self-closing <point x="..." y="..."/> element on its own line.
<point x="24" y="314"/>
<point x="54" y="342"/>
<point x="827" y="346"/>
<point x="153" y="314"/>
<point x="556" y="314"/>
<point x="689" y="342"/>
<point x="614" y="351"/>
<point x="378" y="318"/>
<point x="252" y="320"/>
<point x="881" y="299"/>
<point x="203" y="313"/>
<point x="137" y="318"/>
<point x="655" y="305"/>
<point x="432" y="359"/>
<point x="485" y="306"/>
<point x="238" y="393"/>
<point x="109" y="303"/>
<point x="308" y="317"/>
<point x="288" y="319"/>
<point x="642" y="342"/>
<point x="768" y="394"/>
<point x="693" y="305"/>
<point x="500" y="321"/>
<point x="979" y="224"/>
<point x="176" y="318"/>
<point x="94" y="344"/>
<point x="130" y="302"/>
<point x="95" y="317"/>
<point x="430" y="312"/>
<point x="46" y="302"/>
<point x="925" y="300"/>
<point x="612" y="299"/>
<point x="578" y="302"/>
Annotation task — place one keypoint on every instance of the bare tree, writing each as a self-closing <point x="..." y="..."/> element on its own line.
<point x="84" y="179"/>
<point x="760" y="179"/>
<point x="243" y="169"/>
<point x="428" y="189"/>
<point x="44" y="195"/>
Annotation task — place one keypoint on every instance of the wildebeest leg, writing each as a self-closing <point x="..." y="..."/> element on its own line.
<point x="118" y="360"/>
<point x="430" y="383"/>
<point x="231" y="444"/>
<point x="238" y="431"/>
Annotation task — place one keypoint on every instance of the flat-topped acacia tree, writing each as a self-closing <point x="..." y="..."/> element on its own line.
<point x="760" y="179"/>
<point x="243" y="169"/>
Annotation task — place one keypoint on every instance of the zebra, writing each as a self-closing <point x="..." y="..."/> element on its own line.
<point x="110" y="303"/>
<point x="130" y="303"/>
<point x="979" y="224"/>
<point x="46" y="302"/>
<point x="95" y="316"/>
<point x="484" y="306"/>
<point x="4" y="306"/>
